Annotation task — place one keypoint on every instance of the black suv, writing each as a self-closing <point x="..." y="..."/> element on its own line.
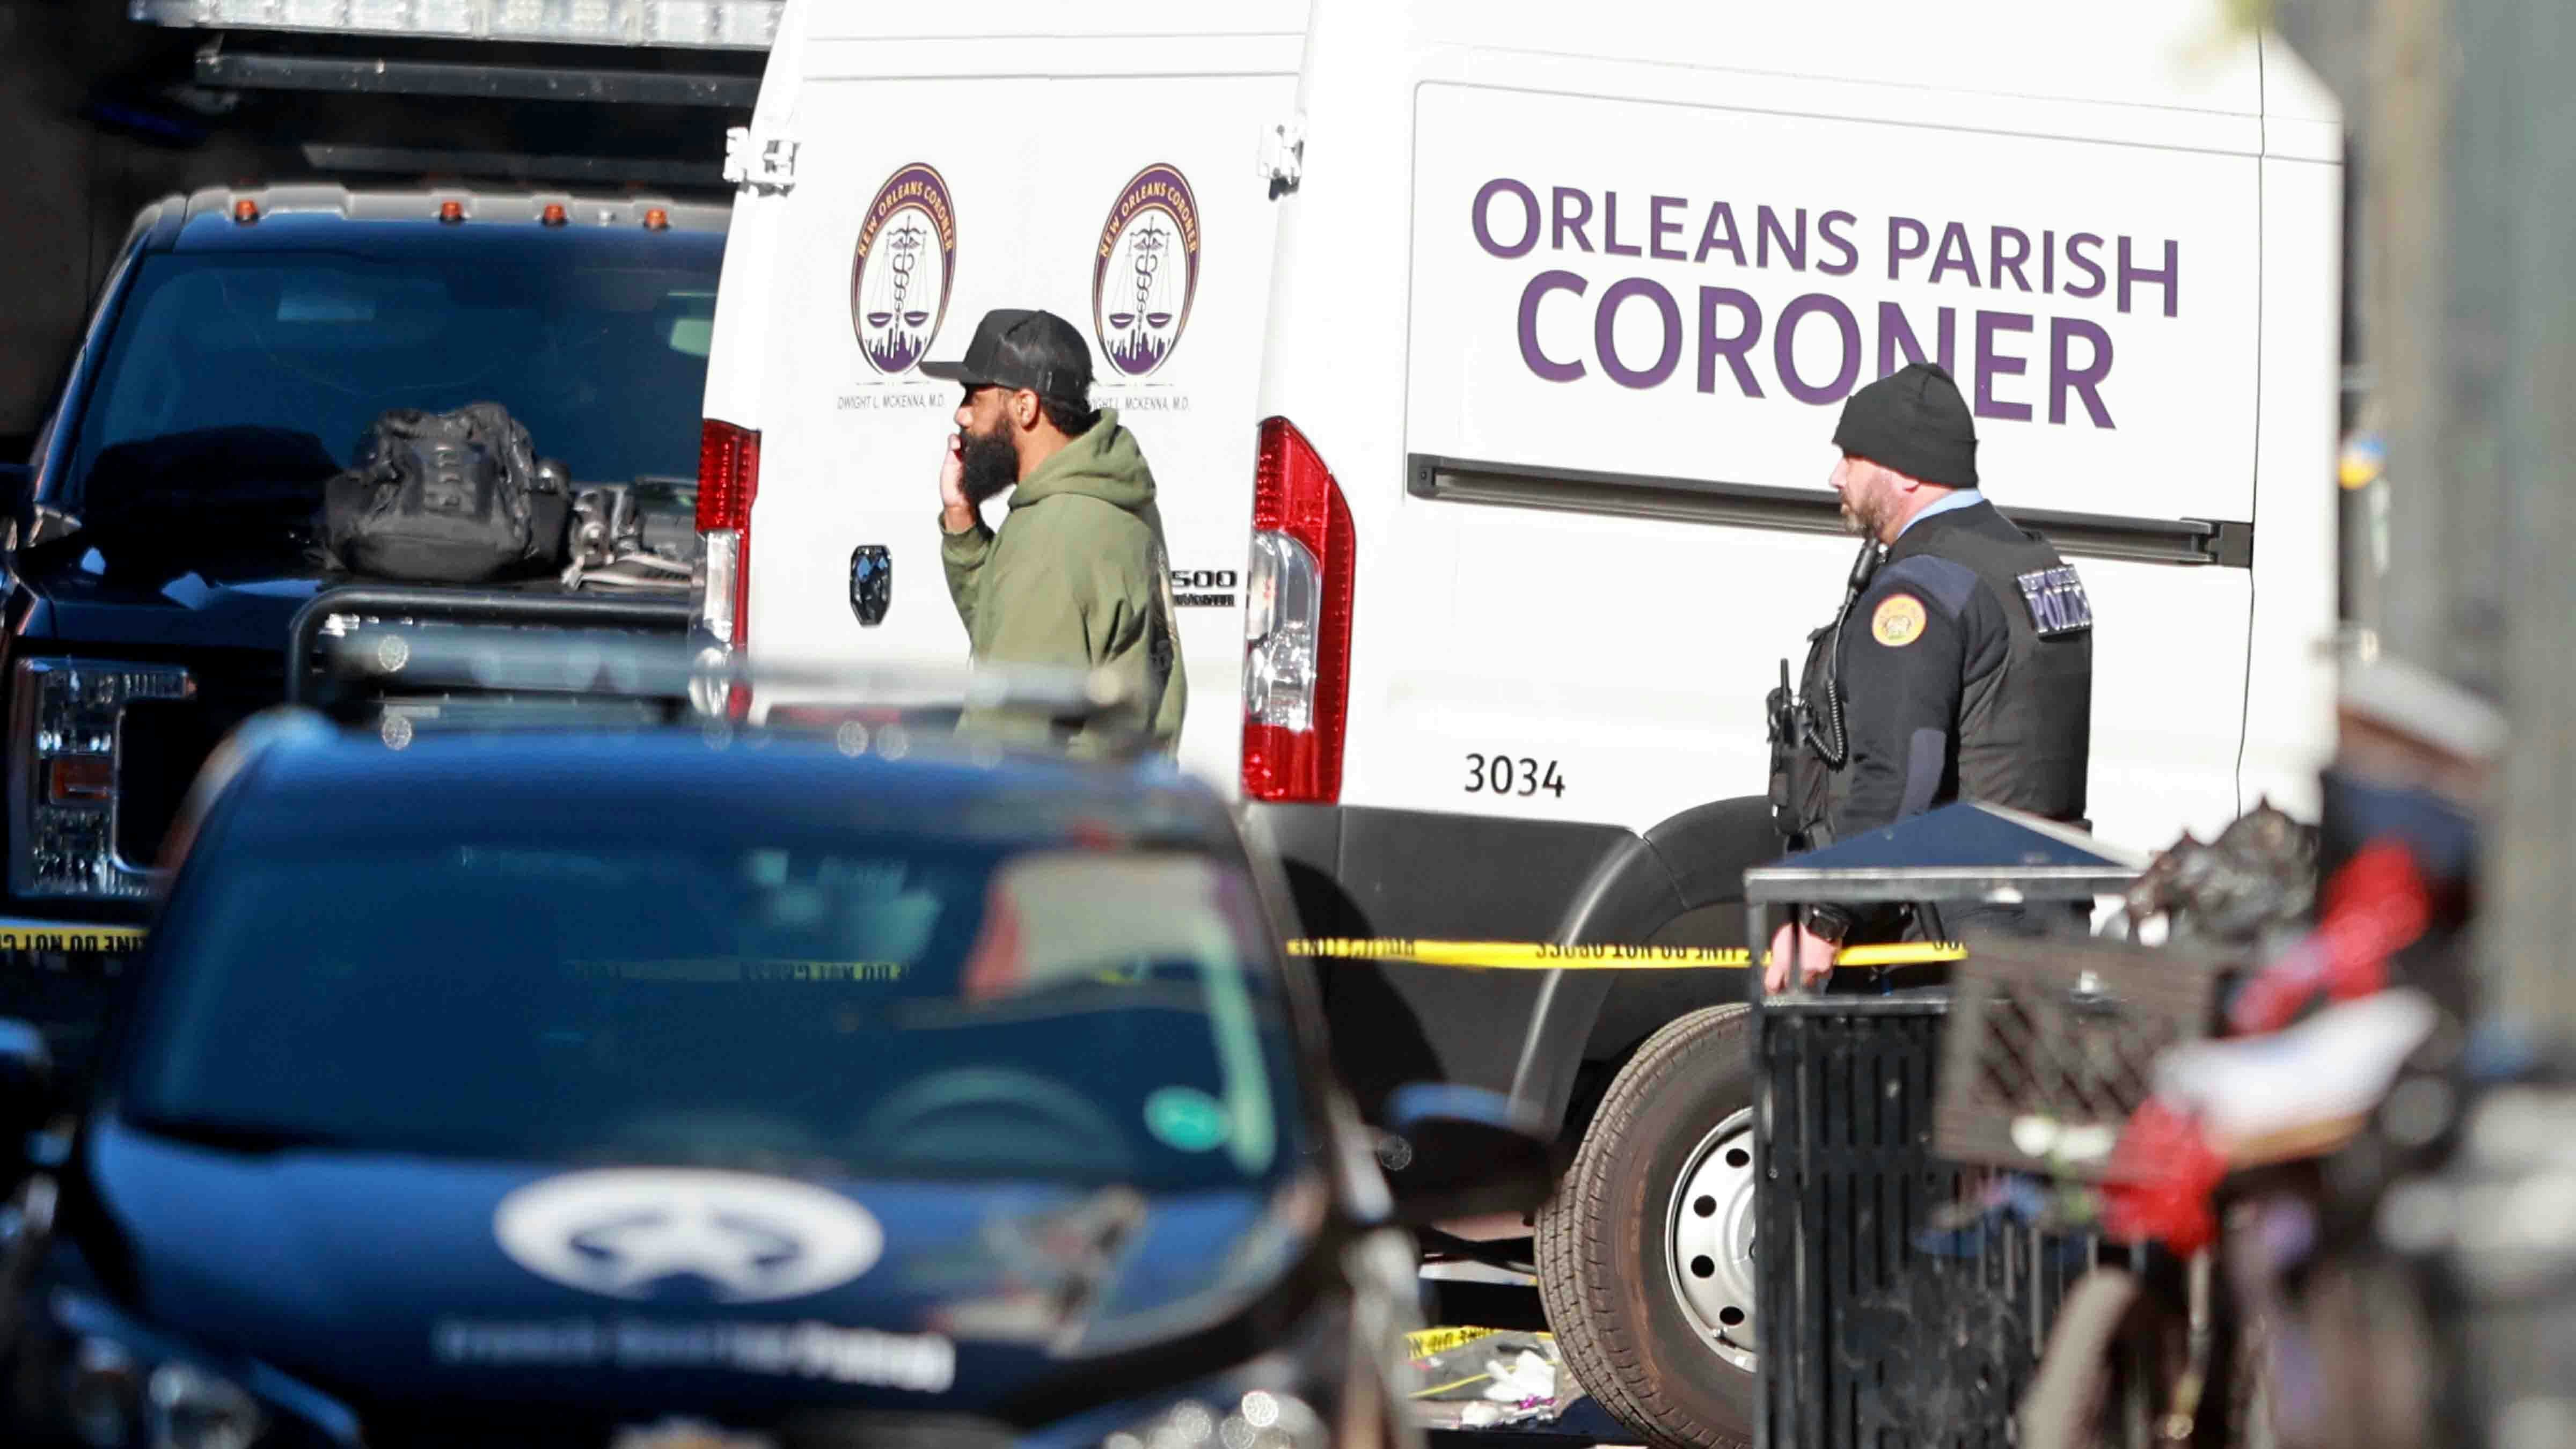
<point x="161" y="537"/>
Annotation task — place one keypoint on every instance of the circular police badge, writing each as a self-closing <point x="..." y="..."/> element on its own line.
<point x="1898" y="622"/>
<point x="907" y="258"/>
<point x="1145" y="272"/>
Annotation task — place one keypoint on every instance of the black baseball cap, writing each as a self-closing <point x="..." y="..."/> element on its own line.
<point x="1020" y="347"/>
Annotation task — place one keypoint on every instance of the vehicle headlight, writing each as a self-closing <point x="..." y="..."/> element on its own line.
<point x="1327" y="1385"/>
<point x="193" y="1409"/>
<point x="102" y="1394"/>
<point x="1254" y="1419"/>
<point x="111" y="1403"/>
<point x="69" y="715"/>
<point x="124" y="1386"/>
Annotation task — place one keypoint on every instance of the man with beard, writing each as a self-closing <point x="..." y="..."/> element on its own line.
<point x="1077" y="576"/>
<point x="1960" y="666"/>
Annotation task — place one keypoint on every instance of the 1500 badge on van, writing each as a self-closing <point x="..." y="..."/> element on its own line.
<point x="1204" y="588"/>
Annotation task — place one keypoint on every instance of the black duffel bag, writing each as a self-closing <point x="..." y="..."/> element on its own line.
<point x="445" y="498"/>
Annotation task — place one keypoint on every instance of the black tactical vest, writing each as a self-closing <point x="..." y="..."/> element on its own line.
<point x="1803" y="729"/>
<point x="2024" y="731"/>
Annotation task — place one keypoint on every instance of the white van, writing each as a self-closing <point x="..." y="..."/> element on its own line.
<point x="1518" y="354"/>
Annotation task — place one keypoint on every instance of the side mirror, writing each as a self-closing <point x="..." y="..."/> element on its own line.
<point x="26" y="1084"/>
<point x="871" y="583"/>
<point x="1459" y="1152"/>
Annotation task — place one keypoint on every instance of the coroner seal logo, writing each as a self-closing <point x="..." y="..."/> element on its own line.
<point x="906" y="263"/>
<point x="1145" y="272"/>
<point x="644" y="1233"/>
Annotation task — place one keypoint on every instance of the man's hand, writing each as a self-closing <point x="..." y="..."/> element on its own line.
<point x="1814" y="957"/>
<point x="955" y="514"/>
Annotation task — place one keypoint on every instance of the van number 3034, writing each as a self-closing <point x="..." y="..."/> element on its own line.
<point x="1512" y="775"/>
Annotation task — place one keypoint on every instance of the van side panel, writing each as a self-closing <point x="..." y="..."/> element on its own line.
<point x="1598" y="236"/>
<point x="1701" y="305"/>
<point x="2172" y="65"/>
<point x="1698" y="307"/>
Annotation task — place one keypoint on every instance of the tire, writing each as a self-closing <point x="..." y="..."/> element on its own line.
<point x="1605" y="1261"/>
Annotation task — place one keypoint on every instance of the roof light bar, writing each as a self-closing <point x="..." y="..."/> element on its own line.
<point x="702" y="24"/>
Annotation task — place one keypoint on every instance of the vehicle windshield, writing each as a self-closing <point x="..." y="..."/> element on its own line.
<point x="1089" y="1017"/>
<point x="234" y="376"/>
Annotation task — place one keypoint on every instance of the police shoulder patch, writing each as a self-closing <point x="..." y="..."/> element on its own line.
<point x="2057" y="603"/>
<point x="1898" y="621"/>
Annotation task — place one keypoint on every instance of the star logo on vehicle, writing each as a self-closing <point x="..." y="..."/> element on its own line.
<point x="639" y="1233"/>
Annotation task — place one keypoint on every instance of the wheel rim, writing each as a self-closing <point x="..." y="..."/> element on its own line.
<point x="1708" y="1240"/>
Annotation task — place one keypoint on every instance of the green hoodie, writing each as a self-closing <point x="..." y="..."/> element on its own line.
<point x="1077" y="578"/>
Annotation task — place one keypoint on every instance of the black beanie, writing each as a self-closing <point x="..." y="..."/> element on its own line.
<point x="1915" y="422"/>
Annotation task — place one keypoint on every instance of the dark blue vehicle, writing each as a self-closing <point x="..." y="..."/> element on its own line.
<point x="161" y="537"/>
<point x="597" y="1087"/>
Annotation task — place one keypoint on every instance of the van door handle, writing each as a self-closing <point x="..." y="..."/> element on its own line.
<point x="871" y="583"/>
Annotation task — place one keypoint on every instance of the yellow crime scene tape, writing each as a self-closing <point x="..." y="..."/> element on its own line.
<point x="1425" y="1342"/>
<point x="1471" y="955"/>
<point x="104" y="940"/>
<point x="1543" y="956"/>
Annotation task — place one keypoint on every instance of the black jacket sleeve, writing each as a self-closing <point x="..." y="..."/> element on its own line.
<point x="1904" y="658"/>
<point x="1906" y="650"/>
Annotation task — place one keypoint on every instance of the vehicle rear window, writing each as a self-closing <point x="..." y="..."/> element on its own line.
<point x="957" y="1011"/>
<point x="266" y="368"/>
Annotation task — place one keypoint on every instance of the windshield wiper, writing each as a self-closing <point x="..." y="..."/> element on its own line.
<point x="248" y="1137"/>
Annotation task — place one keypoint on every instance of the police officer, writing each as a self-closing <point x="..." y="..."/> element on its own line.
<point x="1960" y="665"/>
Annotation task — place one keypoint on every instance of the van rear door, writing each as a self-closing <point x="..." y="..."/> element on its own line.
<point x="1097" y="162"/>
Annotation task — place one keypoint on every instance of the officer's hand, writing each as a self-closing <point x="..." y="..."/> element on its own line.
<point x="1813" y="954"/>
<point x="955" y="513"/>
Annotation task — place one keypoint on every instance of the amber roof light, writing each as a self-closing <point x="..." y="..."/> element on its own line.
<point x="554" y="214"/>
<point x="245" y="211"/>
<point x="657" y="219"/>
<point x="451" y="212"/>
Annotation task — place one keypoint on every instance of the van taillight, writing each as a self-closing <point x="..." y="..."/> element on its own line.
<point x="728" y="481"/>
<point x="1297" y="623"/>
